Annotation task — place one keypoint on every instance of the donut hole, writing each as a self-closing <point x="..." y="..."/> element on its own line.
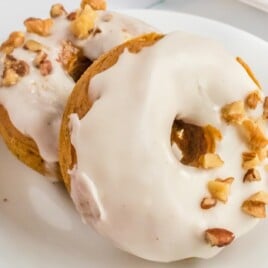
<point x="190" y="139"/>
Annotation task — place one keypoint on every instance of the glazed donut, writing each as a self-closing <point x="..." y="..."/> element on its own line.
<point x="163" y="147"/>
<point x="39" y="69"/>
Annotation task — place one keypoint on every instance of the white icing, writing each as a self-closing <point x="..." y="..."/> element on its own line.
<point x="35" y="105"/>
<point x="150" y="200"/>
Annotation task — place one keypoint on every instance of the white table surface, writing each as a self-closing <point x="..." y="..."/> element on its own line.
<point x="231" y="12"/>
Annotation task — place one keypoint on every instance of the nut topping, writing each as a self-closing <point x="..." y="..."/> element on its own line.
<point x="45" y="67"/>
<point x="234" y="112"/>
<point x="95" y="4"/>
<point x="253" y="99"/>
<point x="250" y="160"/>
<point x="42" y="62"/>
<point x="39" y="26"/>
<point x="84" y="23"/>
<point x="255" y="136"/>
<point x="33" y="46"/>
<point x="255" y="205"/>
<point x="208" y="203"/>
<point x="15" y="39"/>
<point x="72" y="16"/>
<point x="210" y="160"/>
<point x="219" y="237"/>
<point x="10" y="78"/>
<point x="57" y="10"/>
<point x="252" y="175"/>
<point x="220" y="189"/>
<point x="14" y="70"/>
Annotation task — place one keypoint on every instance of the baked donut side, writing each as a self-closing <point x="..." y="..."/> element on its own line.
<point x="25" y="148"/>
<point x="80" y="103"/>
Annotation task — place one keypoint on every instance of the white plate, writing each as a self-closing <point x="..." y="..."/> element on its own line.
<point x="38" y="224"/>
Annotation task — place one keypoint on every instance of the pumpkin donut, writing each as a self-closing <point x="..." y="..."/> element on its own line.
<point x="163" y="147"/>
<point x="39" y="68"/>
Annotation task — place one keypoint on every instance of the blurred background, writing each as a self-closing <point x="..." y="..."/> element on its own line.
<point x="233" y="12"/>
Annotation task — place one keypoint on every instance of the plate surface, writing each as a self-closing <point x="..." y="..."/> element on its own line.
<point x="38" y="224"/>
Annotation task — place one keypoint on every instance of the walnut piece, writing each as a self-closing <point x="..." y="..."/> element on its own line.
<point x="39" y="26"/>
<point x="250" y="160"/>
<point x="15" y="40"/>
<point x="95" y="4"/>
<point x="255" y="205"/>
<point x="219" y="237"/>
<point x="42" y="62"/>
<point x="40" y="57"/>
<point x="208" y="203"/>
<point x="46" y="67"/>
<point x="253" y="99"/>
<point x="265" y="108"/>
<point x="57" y="10"/>
<point x="220" y="188"/>
<point x="210" y="160"/>
<point x="254" y="134"/>
<point x="72" y="16"/>
<point x="249" y="71"/>
<point x="233" y="112"/>
<point x="84" y="23"/>
<point x="252" y="175"/>
<point x="33" y="46"/>
<point x="14" y="70"/>
<point x="10" y="78"/>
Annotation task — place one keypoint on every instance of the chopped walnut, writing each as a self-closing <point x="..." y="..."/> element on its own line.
<point x="45" y="67"/>
<point x="40" y="57"/>
<point x="14" y="70"/>
<point x="262" y="154"/>
<point x="33" y="46"/>
<point x="249" y="71"/>
<point x="252" y="175"/>
<point x="68" y="53"/>
<point x="84" y="23"/>
<point x="208" y="203"/>
<point x="10" y="78"/>
<point x="57" y="10"/>
<point x="72" y="16"/>
<point x="255" y="205"/>
<point x="234" y="112"/>
<point x="219" y="237"/>
<point x="255" y="136"/>
<point x="220" y="189"/>
<point x="253" y="99"/>
<point x="39" y="26"/>
<point x="210" y="160"/>
<point x="42" y="62"/>
<point x="95" y="4"/>
<point x="15" y="40"/>
<point x="265" y="108"/>
<point x="250" y="160"/>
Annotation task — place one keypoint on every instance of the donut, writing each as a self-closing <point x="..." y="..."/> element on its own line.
<point x="39" y="69"/>
<point x="163" y="147"/>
